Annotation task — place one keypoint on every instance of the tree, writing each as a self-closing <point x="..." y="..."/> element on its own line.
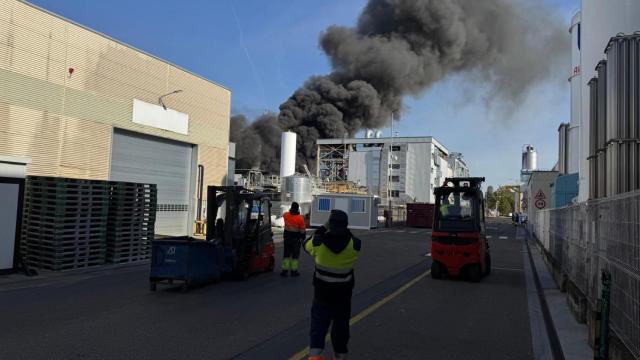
<point x="503" y="198"/>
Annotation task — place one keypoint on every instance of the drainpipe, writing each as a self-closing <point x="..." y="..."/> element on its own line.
<point x="200" y="188"/>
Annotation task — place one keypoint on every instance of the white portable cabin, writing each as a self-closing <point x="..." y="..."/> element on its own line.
<point x="361" y="209"/>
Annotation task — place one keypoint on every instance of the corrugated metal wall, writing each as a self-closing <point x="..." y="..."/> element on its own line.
<point x="49" y="116"/>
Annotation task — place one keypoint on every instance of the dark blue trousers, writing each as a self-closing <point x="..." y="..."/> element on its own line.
<point x="334" y="313"/>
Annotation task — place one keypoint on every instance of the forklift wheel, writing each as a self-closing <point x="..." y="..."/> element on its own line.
<point x="436" y="270"/>
<point x="241" y="273"/>
<point x="474" y="272"/>
<point x="272" y="264"/>
<point x="487" y="264"/>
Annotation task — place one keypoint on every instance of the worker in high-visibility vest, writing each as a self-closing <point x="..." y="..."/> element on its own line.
<point x="334" y="250"/>
<point x="294" y="231"/>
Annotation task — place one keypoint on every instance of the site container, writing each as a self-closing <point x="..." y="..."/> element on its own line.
<point x="184" y="259"/>
<point x="420" y="215"/>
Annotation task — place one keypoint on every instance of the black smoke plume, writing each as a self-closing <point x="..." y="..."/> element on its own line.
<point x="402" y="47"/>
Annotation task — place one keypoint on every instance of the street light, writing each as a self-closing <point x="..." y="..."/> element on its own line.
<point x="165" y="95"/>
<point x="389" y="166"/>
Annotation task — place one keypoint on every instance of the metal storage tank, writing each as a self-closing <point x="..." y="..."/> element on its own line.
<point x="529" y="158"/>
<point x="575" y="81"/>
<point x="593" y="135"/>
<point x="600" y="20"/>
<point x="563" y="150"/>
<point x="601" y="119"/>
<point x="288" y="154"/>
<point x="297" y="188"/>
<point x="622" y="111"/>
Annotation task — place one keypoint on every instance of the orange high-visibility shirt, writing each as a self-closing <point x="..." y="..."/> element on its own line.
<point x="293" y="223"/>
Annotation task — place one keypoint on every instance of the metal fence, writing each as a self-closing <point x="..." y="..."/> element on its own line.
<point x="604" y="234"/>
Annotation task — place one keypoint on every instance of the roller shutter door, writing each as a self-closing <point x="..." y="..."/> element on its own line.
<point x="167" y="163"/>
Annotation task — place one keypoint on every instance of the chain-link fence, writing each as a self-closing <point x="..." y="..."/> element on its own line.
<point x="584" y="239"/>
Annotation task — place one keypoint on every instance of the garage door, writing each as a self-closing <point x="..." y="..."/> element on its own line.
<point x="147" y="159"/>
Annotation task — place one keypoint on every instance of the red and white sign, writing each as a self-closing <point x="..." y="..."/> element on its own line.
<point x="540" y="195"/>
<point x="541" y="204"/>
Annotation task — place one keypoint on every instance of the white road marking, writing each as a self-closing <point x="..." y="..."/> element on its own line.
<point x="428" y="254"/>
<point x="489" y="236"/>
<point x="506" y="269"/>
<point x="504" y="237"/>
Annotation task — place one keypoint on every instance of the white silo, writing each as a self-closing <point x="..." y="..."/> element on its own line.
<point x="288" y="154"/>
<point x="529" y="158"/>
<point x="600" y="20"/>
<point x="378" y="134"/>
<point x="575" y="82"/>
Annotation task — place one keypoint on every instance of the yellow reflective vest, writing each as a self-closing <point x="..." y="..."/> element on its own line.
<point x="332" y="266"/>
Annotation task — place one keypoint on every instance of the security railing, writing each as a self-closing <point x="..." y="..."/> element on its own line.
<point x="603" y="234"/>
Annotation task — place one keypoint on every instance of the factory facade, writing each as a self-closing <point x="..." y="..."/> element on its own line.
<point x="404" y="169"/>
<point x="79" y="104"/>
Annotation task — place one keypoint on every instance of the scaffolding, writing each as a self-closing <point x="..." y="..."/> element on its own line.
<point x="333" y="162"/>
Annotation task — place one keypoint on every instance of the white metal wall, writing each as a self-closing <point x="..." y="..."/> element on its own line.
<point x="167" y="163"/>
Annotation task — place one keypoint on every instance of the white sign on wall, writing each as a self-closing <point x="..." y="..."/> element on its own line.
<point x="156" y="116"/>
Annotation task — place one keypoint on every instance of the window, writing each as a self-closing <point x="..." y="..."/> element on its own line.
<point x="395" y="148"/>
<point x="395" y="193"/>
<point x="394" y="166"/>
<point x="357" y="205"/>
<point x="324" y="204"/>
<point x="394" y="178"/>
<point x="456" y="205"/>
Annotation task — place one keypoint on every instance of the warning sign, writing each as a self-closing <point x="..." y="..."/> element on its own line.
<point x="541" y="204"/>
<point x="540" y="195"/>
<point x="524" y="204"/>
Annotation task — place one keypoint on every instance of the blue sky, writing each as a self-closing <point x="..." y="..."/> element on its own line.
<point x="264" y="50"/>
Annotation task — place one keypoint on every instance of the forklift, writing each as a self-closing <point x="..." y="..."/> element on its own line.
<point x="238" y="242"/>
<point x="459" y="245"/>
<point x="240" y="220"/>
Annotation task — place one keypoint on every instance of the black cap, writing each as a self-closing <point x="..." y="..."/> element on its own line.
<point x="338" y="218"/>
<point x="295" y="206"/>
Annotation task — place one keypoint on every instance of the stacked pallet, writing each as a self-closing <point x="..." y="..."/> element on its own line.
<point x="64" y="223"/>
<point x="132" y="215"/>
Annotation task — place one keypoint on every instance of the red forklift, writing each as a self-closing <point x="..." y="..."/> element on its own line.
<point x="240" y="220"/>
<point x="459" y="245"/>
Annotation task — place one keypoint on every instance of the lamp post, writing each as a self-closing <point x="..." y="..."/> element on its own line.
<point x="165" y="95"/>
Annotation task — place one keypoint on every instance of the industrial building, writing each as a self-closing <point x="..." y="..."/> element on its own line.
<point x="79" y="104"/>
<point x="406" y="169"/>
<point x="590" y="229"/>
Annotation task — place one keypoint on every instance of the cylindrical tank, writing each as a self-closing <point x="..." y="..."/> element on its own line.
<point x="575" y="81"/>
<point x="529" y="158"/>
<point x="600" y="20"/>
<point x="296" y="188"/>
<point x="288" y="154"/>
<point x="369" y="134"/>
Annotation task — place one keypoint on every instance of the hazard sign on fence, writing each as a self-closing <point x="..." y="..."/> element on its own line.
<point x="540" y="195"/>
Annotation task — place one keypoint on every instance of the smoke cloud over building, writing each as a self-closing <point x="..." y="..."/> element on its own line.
<point x="399" y="48"/>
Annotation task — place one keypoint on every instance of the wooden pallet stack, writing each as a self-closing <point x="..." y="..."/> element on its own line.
<point x="132" y="215"/>
<point x="64" y="223"/>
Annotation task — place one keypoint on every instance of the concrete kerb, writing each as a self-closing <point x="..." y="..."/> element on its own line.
<point x="572" y="337"/>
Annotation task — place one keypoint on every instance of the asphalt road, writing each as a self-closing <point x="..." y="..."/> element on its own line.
<point x="112" y="314"/>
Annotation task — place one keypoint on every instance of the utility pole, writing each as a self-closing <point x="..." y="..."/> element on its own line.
<point x="390" y="165"/>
